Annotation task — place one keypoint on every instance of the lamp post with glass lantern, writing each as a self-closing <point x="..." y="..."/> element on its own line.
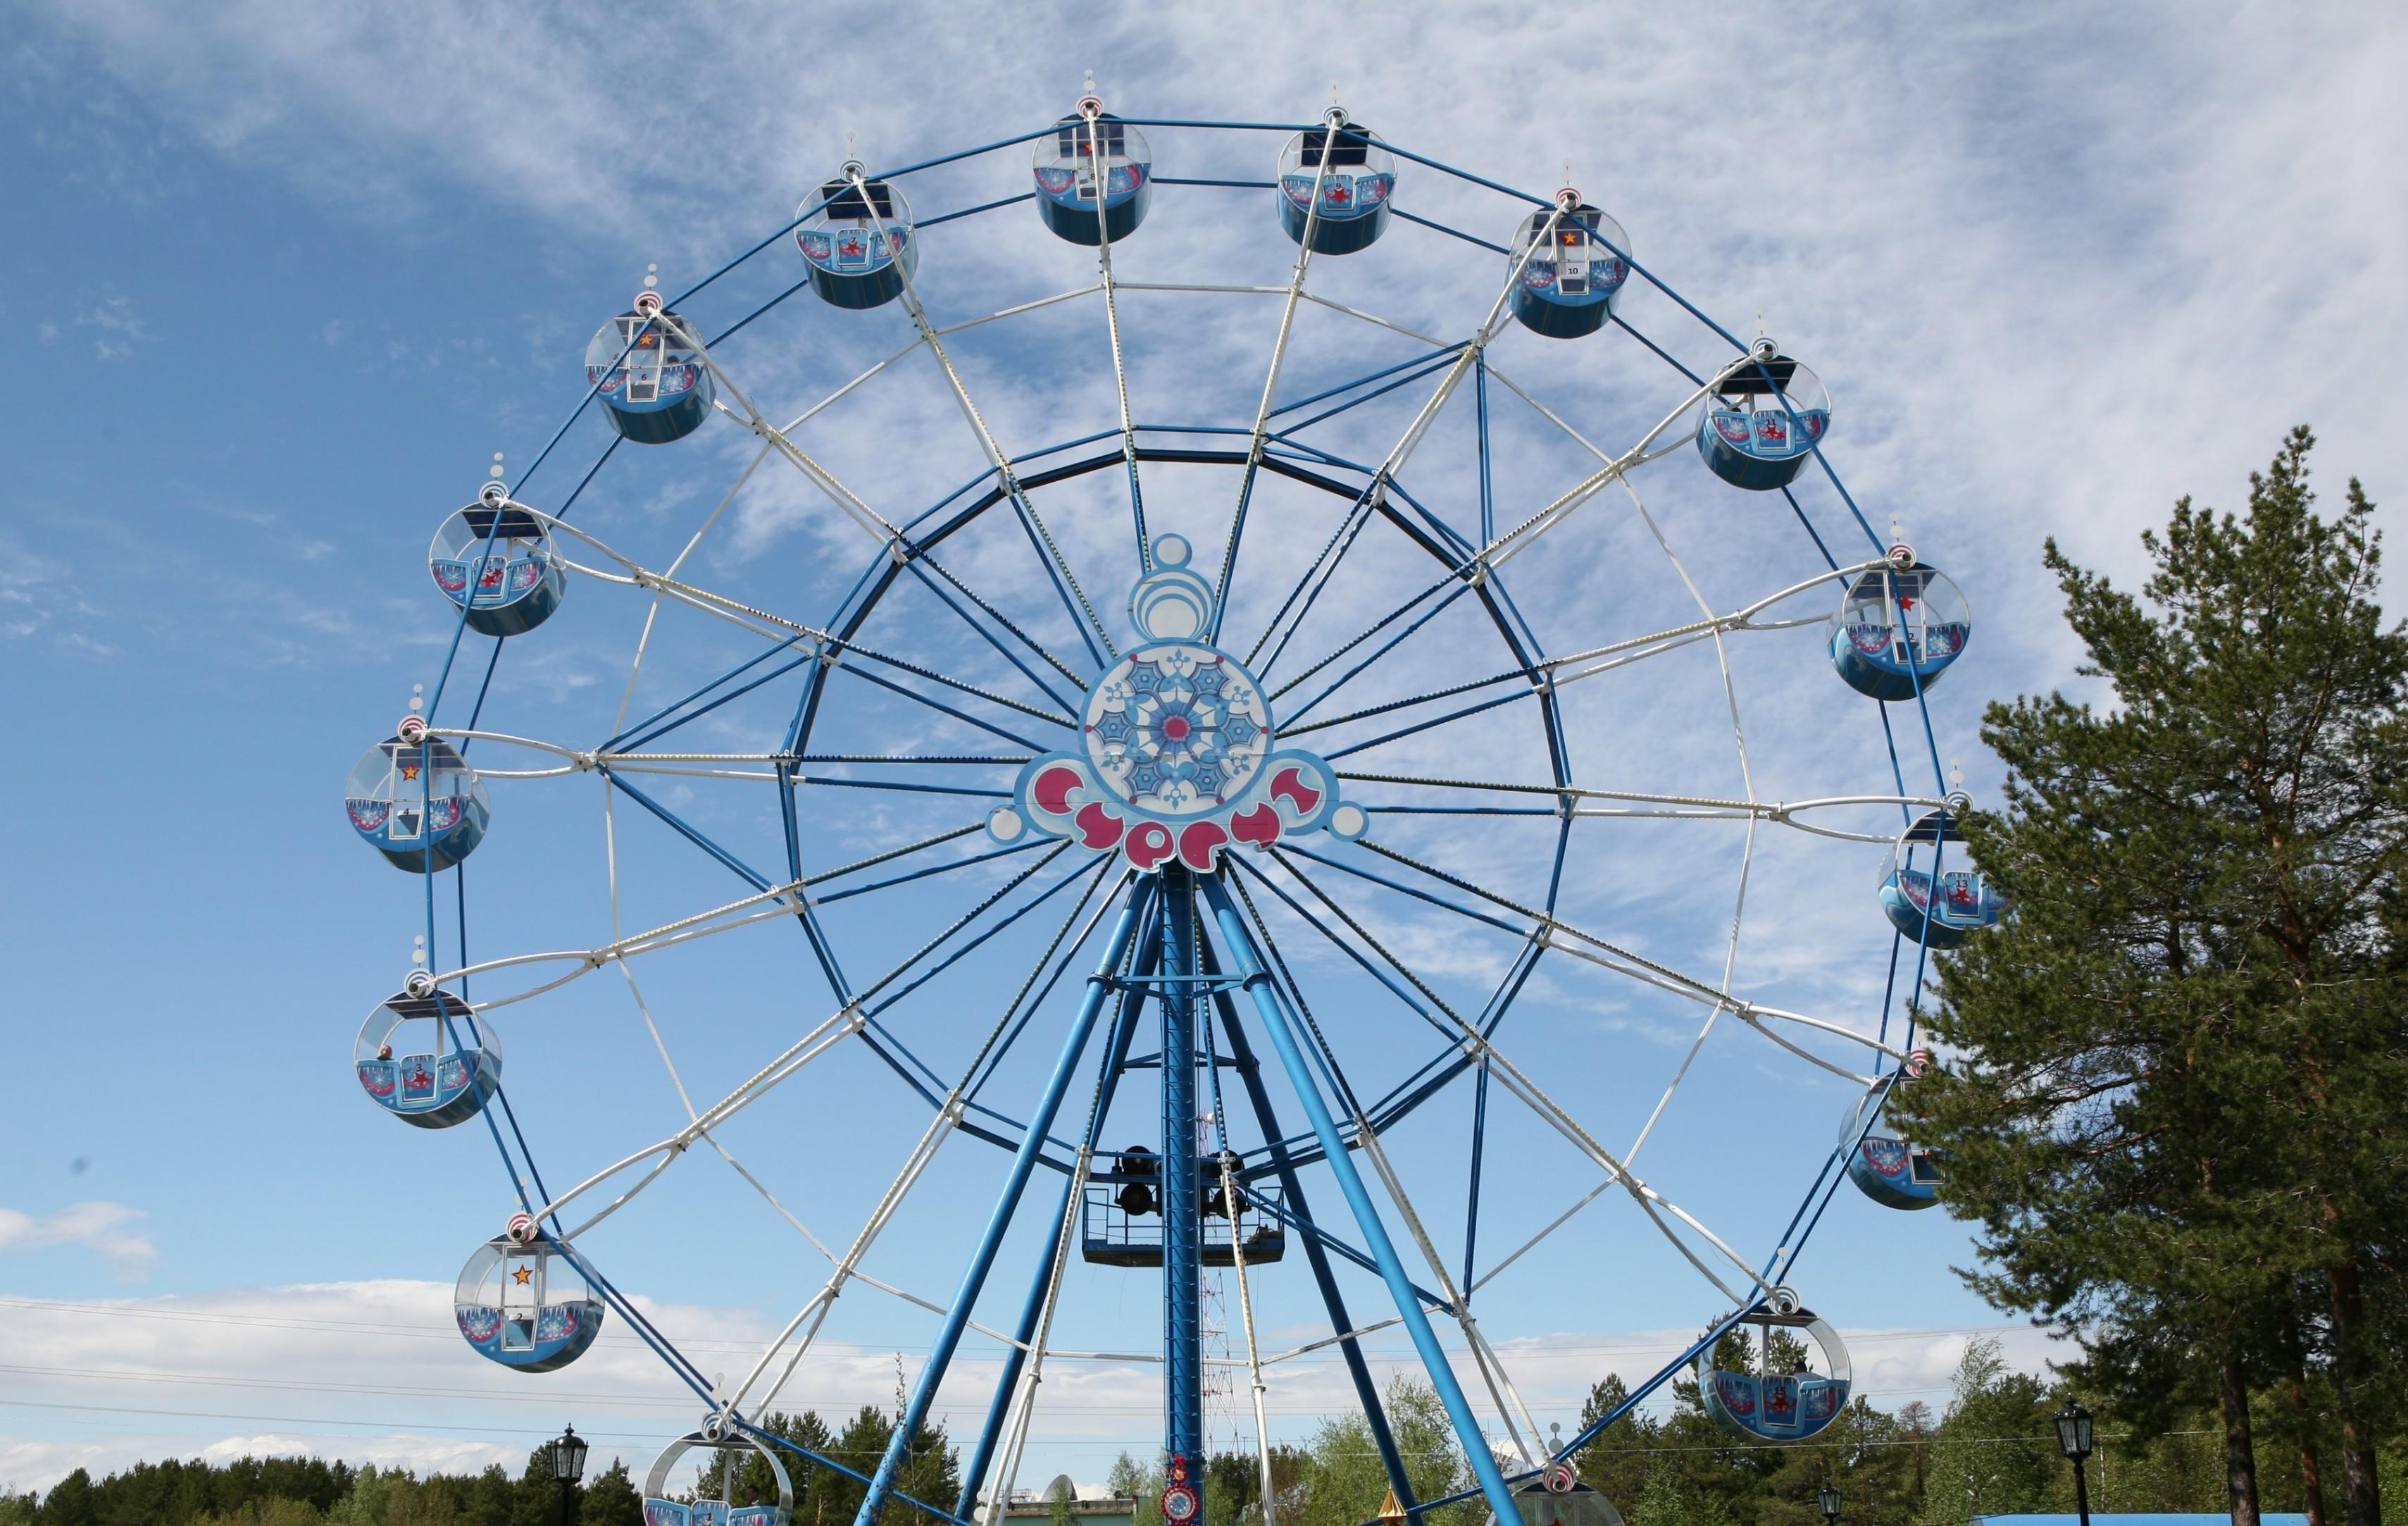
<point x="1829" y="1497"/>
<point x="567" y="1465"/>
<point x="2075" y="1439"/>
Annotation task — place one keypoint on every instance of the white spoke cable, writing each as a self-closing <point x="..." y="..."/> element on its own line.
<point x="1475" y="1044"/>
<point x="946" y="1119"/>
<point x="998" y="459"/>
<point x="1554" y="932"/>
<point x="1747" y="848"/>
<point x="1335" y="119"/>
<point x="1025" y="1401"/>
<point x="1091" y="109"/>
<point x="1375" y="495"/>
<point x="948" y="1114"/>
<point x="1367" y="1138"/>
<point x="816" y="409"/>
<point x="1246" y="1314"/>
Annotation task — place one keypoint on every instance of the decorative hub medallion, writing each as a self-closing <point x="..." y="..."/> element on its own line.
<point x="1178" y="759"/>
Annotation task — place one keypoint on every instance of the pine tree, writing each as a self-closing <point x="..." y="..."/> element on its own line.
<point x="2177" y="1115"/>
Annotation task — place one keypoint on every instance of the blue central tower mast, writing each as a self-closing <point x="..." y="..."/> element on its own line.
<point x="1183" y="1387"/>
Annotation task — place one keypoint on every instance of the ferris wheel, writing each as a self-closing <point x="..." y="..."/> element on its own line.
<point x="1169" y="729"/>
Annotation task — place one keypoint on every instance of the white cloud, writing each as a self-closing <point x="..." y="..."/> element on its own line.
<point x="105" y="1228"/>
<point x="120" y="327"/>
<point x="372" y="1371"/>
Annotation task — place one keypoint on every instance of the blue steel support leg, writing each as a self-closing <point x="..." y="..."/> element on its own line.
<point x="1375" y="1233"/>
<point x="1183" y="1354"/>
<point x="1116" y="1055"/>
<point x="1024" y="1160"/>
<point x="1317" y="1255"/>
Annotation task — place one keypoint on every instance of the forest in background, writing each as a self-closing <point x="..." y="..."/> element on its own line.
<point x="1992" y="1451"/>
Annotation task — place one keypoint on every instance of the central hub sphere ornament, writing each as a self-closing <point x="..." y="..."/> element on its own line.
<point x="1177" y="757"/>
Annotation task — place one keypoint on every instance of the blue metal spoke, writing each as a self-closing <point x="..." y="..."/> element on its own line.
<point x="1443" y="360"/>
<point x="971" y="861"/>
<point x="1380" y="651"/>
<point x="1425" y="726"/>
<point x="738" y="672"/>
<point x="830" y="782"/>
<point x="972" y="945"/>
<point x="1453" y="233"/>
<point x="868" y="677"/>
<point x="1456" y="907"/>
<point x="1400" y="1290"/>
<point x="1024" y="1160"/>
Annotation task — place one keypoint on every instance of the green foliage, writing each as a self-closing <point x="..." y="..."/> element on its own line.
<point x="2176" y="1118"/>
<point x="615" y="1498"/>
<point x="1344" y="1480"/>
<point x="305" y="1492"/>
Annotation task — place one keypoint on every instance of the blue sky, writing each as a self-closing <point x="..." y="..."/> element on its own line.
<point x="289" y="276"/>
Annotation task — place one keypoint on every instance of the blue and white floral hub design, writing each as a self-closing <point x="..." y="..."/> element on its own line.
<point x="1179" y="761"/>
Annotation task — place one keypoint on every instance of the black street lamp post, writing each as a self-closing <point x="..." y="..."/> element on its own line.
<point x="1829" y="1497"/>
<point x="567" y="1465"/>
<point x="2075" y="1439"/>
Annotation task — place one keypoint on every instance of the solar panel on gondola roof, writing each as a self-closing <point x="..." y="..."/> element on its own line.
<point x="1759" y="378"/>
<point x="433" y="1004"/>
<point x="517" y="523"/>
<point x="1351" y="147"/>
<point x="844" y="199"/>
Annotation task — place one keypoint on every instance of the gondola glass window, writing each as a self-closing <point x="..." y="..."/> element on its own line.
<point x="857" y="241"/>
<point x="1093" y="179"/>
<point x="1898" y="628"/>
<point x="496" y="559"/>
<point x="428" y="1060"/>
<point x="1346" y="175"/>
<point x="646" y="367"/>
<point x="1577" y="268"/>
<point x="1763" y="422"/>
<point x="526" y="1305"/>
<point x="418" y="802"/>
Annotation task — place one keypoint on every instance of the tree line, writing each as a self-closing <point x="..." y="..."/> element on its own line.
<point x="308" y="1491"/>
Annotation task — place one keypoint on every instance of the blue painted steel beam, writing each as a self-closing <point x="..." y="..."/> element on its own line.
<point x="1268" y="1002"/>
<point x="1024" y="1160"/>
<point x="1016" y="1356"/>
<point x="1367" y="1393"/>
<point x="1183" y="1249"/>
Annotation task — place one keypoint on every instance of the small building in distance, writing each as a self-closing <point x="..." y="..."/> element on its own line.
<point x="1032" y="1505"/>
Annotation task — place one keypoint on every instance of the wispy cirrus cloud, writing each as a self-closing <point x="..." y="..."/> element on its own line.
<point x="109" y="1229"/>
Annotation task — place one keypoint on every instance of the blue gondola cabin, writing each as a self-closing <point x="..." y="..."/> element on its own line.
<point x="1568" y="287"/>
<point x="525" y="1307"/>
<point x="1340" y="180"/>
<point x="1759" y="1404"/>
<point x="1898" y="628"/>
<point x="857" y="241"/>
<point x="1886" y="1166"/>
<point x="1093" y="179"/>
<point x="496" y="560"/>
<point x="418" y="803"/>
<point x="740" y="1449"/>
<point x="1930" y="890"/>
<point x="647" y="370"/>
<point x="428" y="1060"/>
<point x="1763" y="422"/>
